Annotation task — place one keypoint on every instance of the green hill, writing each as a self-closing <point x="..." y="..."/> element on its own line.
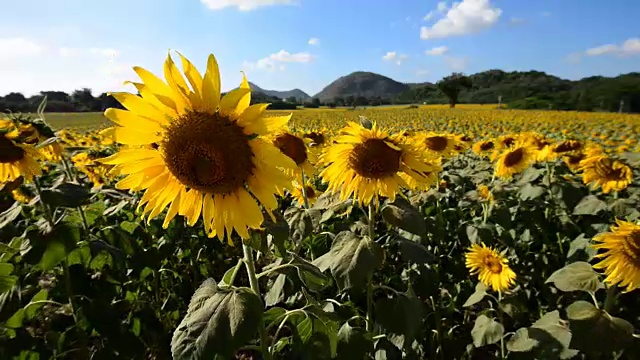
<point x="362" y="84"/>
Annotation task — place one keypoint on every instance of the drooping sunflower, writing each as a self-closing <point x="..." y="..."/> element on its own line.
<point x="294" y="147"/>
<point x="491" y="267"/>
<point x="515" y="159"/>
<point x="17" y="160"/>
<point x="603" y="171"/>
<point x="198" y="154"/>
<point x="368" y="163"/>
<point x="621" y="258"/>
<point x="310" y="190"/>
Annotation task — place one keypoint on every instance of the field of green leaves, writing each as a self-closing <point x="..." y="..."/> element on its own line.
<point x="398" y="233"/>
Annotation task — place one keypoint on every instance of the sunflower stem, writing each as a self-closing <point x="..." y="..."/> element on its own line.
<point x="501" y="317"/>
<point x="249" y="263"/>
<point x="369" y="323"/>
<point x="610" y="300"/>
<point x="48" y="215"/>
<point x="304" y="190"/>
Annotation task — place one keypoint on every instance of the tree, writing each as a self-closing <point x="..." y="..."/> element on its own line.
<point x="338" y="101"/>
<point x="292" y="100"/>
<point x="452" y="85"/>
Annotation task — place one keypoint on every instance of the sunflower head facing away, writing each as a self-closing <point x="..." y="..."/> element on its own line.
<point x="491" y="267"/>
<point x="603" y="171"/>
<point x="196" y="153"/>
<point x="368" y="163"/>
<point x="621" y="256"/>
<point x="515" y="159"/>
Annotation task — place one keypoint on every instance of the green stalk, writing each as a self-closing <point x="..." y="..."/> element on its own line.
<point x="501" y="317"/>
<point x="610" y="300"/>
<point x="304" y="190"/>
<point x="48" y="215"/>
<point x="249" y="263"/>
<point x="369" y="324"/>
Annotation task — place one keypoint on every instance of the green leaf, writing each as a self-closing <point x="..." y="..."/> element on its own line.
<point x="480" y="233"/>
<point x="15" y="321"/>
<point x="31" y="310"/>
<point x="218" y="322"/>
<point x="7" y="281"/>
<point x="273" y="314"/>
<point x="55" y="253"/>
<point x="549" y="336"/>
<point x="596" y="332"/>
<point x="486" y="331"/>
<point x="353" y="342"/>
<point x="9" y="215"/>
<point x="136" y="326"/>
<point x="405" y="216"/>
<point x="530" y="175"/>
<point x="477" y="296"/>
<point x="581" y="244"/>
<point x="589" y="205"/>
<point x="400" y="314"/>
<point x="278" y="232"/>
<point x="275" y="294"/>
<point x="300" y="224"/>
<point x="8" y="250"/>
<point x="129" y="226"/>
<point x="351" y="259"/>
<point x="576" y="276"/>
<point x="310" y="275"/>
<point x="80" y="256"/>
<point x="68" y="195"/>
<point x="531" y="192"/>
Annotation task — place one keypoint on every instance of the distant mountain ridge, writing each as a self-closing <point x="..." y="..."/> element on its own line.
<point x="362" y="83"/>
<point x="297" y="93"/>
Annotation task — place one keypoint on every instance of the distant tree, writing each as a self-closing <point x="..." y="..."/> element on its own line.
<point x="292" y="100"/>
<point x="315" y="102"/>
<point x="452" y="85"/>
<point x="350" y="101"/>
<point x="15" y="97"/>
<point x="55" y="95"/>
<point x="84" y="100"/>
<point x="339" y="101"/>
<point x="361" y="101"/>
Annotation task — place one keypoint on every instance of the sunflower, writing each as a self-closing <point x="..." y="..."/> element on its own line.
<point x="17" y="160"/>
<point x="621" y="259"/>
<point x="440" y="144"/>
<point x="368" y="163"/>
<point x="484" y="193"/>
<point x="491" y="267"/>
<point x="515" y="159"/>
<point x="573" y="161"/>
<point x="294" y="147"/>
<point x="29" y="134"/>
<point x="196" y="153"/>
<point x="311" y="191"/>
<point x="483" y="148"/>
<point x="603" y="171"/>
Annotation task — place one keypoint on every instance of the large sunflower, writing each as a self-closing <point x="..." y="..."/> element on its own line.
<point x="603" y="171"/>
<point x="491" y="267"/>
<point x="368" y="163"/>
<point x="198" y="154"/>
<point x="621" y="259"/>
<point x="17" y="160"/>
<point x="440" y="144"/>
<point x="515" y="159"/>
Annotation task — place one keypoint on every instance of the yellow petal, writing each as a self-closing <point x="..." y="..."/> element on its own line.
<point x="211" y="86"/>
<point x="195" y="79"/>
<point x="127" y="136"/>
<point x="177" y="84"/>
<point x="138" y="105"/>
<point x="235" y="102"/>
<point x="131" y="120"/>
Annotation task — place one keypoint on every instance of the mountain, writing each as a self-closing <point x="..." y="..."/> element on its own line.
<point x="361" y="83"/>
<point x="297" y="93"/>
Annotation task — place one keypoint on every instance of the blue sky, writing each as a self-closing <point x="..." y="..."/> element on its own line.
<point x="68" y="44"/>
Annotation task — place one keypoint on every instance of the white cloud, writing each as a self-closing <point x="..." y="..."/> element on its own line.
<point x="32" y="66"/>
<point x="16" y="48"/>
<point x="244" y="5"/>
<point x="437" y="51"/>
<point x="627" y="48"/>
<point x="274" y="61"/>
<point x="429" y="15"/>
<point x="442" y="6"/>
<point x="313" y="41"/>
<point x="395" y="57"/>
<point x="465" y="17"/>
<point x="456" y="63"/>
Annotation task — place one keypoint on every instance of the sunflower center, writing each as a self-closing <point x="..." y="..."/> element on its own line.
<point x="568" y="145"/>
<point x="631" y="246"/>
<point x="207" y="153"/>
<point x="436" y="143"/>
<point x="513" y="157"/>
<point x="604" y="169"/>
<point x="493" y="265"/>
<point x="486" y="146"/>
<point x="316" y="138"/>
<point x="508" y="141"/>
<point x="575" y="159"/>
<point x="292" y="146"/>
<point x="374" y="159"/>
<point x="308" y="190"/>
<point x="9" y="152"/>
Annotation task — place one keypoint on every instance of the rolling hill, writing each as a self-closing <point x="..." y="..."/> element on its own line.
<point x="362" y="83"/>
<point x="297" y="93"/>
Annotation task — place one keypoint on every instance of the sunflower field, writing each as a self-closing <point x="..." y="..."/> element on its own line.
<point x="198" y="226"/>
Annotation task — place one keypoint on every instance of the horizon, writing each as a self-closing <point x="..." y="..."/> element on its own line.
<point x="69" y="44"/>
